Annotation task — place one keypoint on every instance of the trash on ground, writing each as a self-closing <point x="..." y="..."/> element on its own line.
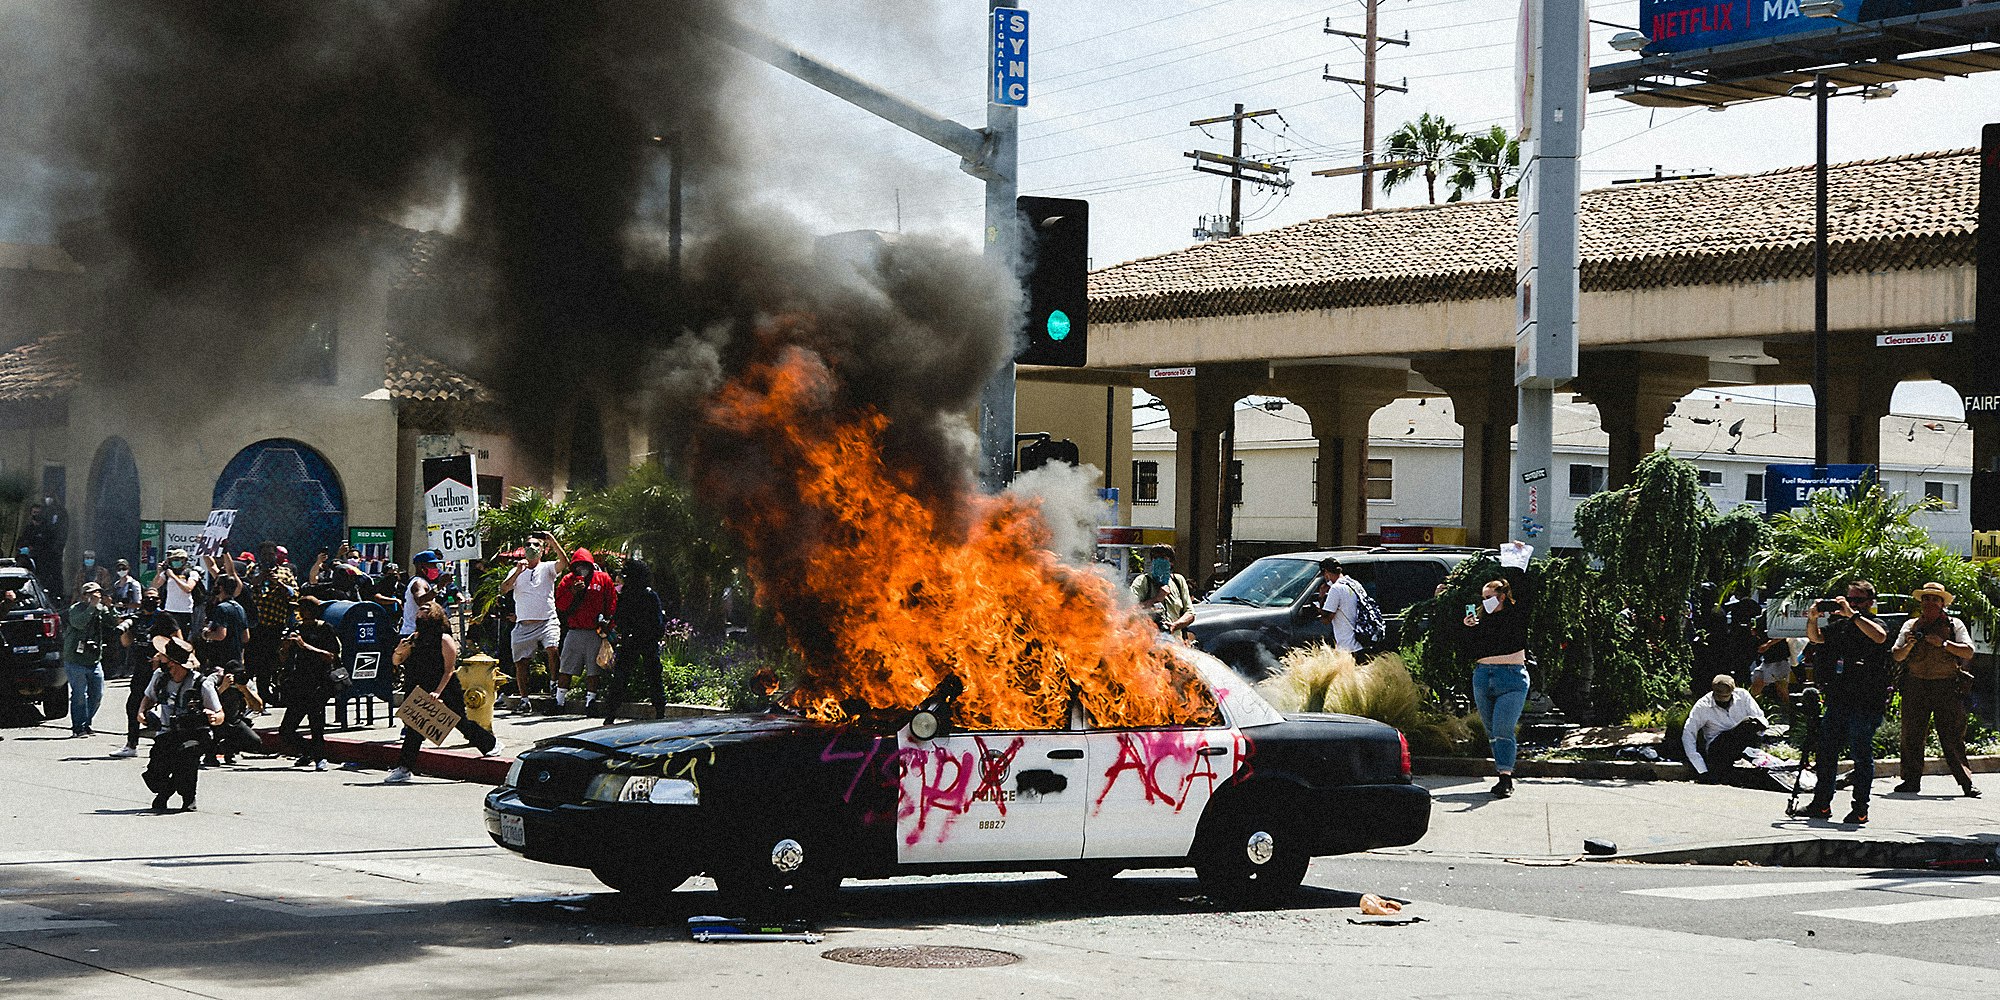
<point x="711" y="928"/>
<point x="1376" y="906"/>
<point x="1386" y="922"/>
<point x="1594" y="845"/>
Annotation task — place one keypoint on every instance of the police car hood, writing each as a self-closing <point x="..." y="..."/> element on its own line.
<point x="667" y="737"/>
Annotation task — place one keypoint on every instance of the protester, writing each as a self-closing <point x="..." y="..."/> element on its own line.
<point x="1163" y="593"/>
<point x="1339" y="605"/>
<point x="1935" y="649"/>
<point x="138" y="636"/>
<point x="586" y="598"/>
<point x="125" y="592"/>
<point x="429" y="658"/>
<point x="308" y="657"/>
<point x="1496" y="638"/>
<point x="1853" y="676"/>
<point x="188" y="705"/>
<point x="42" y="541"/>
<point x="532" y="583"/>
<point x="273" y="613"/>
<point x="88" y="628"/>
<point x="1776" y="659"/>
<point x="640" y="622"/>
<point x="1721" y="725"/>
<point x="177" y="584"/>
<point x="226" y="626"/>
<point x="425" y="568"/>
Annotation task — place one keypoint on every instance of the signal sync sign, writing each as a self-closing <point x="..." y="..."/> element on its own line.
<point x="1009" y="62"/>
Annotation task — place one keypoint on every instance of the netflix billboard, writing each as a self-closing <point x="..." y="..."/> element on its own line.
<point x="1681" y="25"/>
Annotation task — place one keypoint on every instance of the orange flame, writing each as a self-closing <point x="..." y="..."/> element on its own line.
<point x="883" y="596"/>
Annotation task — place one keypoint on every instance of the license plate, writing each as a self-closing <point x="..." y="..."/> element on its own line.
<point x="26" y="650"/>
<point x="513" y="831"/>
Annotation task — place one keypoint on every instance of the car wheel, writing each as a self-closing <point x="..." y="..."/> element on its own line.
<point x="1252" y="859"/>
<point x="640" y="881"/>
<point x="781" y="874"/>
<point x="55" y="702"/>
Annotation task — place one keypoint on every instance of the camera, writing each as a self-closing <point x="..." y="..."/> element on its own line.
<point x="1826" y="605"/>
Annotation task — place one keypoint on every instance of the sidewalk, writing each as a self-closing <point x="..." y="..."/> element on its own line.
<point x="379" y="745"/>
<point x="1685" y="822"/>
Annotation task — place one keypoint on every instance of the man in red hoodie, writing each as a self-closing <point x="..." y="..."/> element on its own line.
<point x="585" y="597"/>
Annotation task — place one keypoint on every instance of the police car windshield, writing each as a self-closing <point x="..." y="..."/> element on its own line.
<point x="1270" y="582"/>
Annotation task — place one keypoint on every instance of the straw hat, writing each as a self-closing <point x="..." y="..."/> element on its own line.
<point x="1934" y="587"/>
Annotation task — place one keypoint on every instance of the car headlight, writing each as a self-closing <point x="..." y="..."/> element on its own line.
<point x="643" y="788"/>
<point x="514" y="774"/>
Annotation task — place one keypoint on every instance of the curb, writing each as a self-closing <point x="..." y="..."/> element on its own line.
<point x="1831" y="852"/>
<point x="1641" y="770"/>
<point x="458" y="765"/>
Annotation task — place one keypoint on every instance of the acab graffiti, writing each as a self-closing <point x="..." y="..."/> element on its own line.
<point x="1168" y="767"/>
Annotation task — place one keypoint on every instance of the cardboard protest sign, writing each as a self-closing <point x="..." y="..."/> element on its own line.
<point x="215" y="534"/>
<point x="423" y="712"/>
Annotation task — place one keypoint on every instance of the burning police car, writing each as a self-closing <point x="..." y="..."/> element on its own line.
<point x="776" y="804"/>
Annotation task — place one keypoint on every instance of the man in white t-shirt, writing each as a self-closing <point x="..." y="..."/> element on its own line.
<point x="1338" y="605"/>
<point x="176" y="586"/>
<point x="533" y="584"/>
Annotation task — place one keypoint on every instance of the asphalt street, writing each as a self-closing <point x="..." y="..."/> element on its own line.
<point x="291" y="881"/>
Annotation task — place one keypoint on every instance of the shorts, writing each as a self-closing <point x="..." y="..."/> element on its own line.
<point x="579" y="653"/>
<point x="532" y="637"/>
<point x="1772" y="672"/>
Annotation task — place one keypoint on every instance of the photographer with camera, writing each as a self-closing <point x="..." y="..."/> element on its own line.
<point x="188" y="706"/>
<point x="1934" y="649"/>
<point x="88" y="627"/>
<point x="1853" y="673"/>
<point x="1163" y="593"/>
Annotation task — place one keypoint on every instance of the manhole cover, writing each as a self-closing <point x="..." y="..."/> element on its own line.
<point x="923" y="956"/>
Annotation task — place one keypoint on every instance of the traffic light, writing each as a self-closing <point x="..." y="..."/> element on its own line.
<point x="1058" y="256"/>
<point x="1046" y="451"/>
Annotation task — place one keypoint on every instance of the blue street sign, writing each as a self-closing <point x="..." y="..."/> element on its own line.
<point x="1009" y="62"/>
<point x="1791" y="486"/>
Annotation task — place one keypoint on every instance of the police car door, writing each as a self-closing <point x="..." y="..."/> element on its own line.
<point x="991" y="796"/>
<point x="1148" y="787"/>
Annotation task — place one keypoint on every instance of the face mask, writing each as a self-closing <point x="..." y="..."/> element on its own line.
<point x="1160" y="570"/>
<point x="88" y="563"/>
<point x="178" y="563"/>
<point x="1491" y="604"/>
<point x="430" y="572"/>
<point x="123" y="573"/>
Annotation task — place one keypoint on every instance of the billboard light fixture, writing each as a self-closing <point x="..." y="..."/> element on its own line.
<point x="1879" y="93"/>
<point x="1822" y="8"/>
<point x="1630" y="41"/>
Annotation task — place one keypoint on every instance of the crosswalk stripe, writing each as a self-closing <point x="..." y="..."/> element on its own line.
<point x="1762" y="890"/>
<point x="256" y="897"/>
<point x="1906" y="913"/>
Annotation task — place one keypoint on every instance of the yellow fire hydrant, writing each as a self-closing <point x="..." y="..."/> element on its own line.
<point x="478" y="676"/>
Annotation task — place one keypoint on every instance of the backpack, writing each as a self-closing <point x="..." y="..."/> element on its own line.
<point x="1371" y="630"/>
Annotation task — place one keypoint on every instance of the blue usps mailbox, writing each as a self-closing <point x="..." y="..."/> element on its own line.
<point x="366" y="641"/>
<point x="1009" y="62"/>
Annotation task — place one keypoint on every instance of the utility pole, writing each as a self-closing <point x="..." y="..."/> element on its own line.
<point x="1371" y="43"/>
<point x="1259" y="172"/>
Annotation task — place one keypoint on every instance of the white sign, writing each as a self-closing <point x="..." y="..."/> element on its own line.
<point x="1187" y="372"/>
<point x="1912" y="339"/>
<point x="183" y="535"/>
<point x="215" y="534"/>
<point x="367" y="666"/>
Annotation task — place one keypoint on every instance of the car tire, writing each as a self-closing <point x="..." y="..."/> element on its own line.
<point x="55" y="702"/>
<point x="639" y="881"/>
<point x="1252" y="859"/>
<point x="781" y="874"/>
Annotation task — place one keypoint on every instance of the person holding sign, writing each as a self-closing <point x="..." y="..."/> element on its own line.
<point x="429" y="658"/>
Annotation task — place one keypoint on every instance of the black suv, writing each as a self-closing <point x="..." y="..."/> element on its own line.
<point x="31" y="670"/>
<point x="1266" y="610"/>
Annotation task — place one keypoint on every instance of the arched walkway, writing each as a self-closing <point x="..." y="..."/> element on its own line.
<point x="112" y="528"/>
<point x="285" y="491"/>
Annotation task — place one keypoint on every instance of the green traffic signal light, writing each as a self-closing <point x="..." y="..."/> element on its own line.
<point x="1058" y="325"/>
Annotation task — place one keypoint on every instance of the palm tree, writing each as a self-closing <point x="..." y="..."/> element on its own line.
<point x="1493" y="156"/>
<point x="1426" y="144"/>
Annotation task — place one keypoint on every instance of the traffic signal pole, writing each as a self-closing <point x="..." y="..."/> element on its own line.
<point x="990" y="154"/>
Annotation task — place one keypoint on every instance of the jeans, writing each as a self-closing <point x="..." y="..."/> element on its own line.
<point x="1500" y="689"/>
<point x="86" y="692"/>
<point x="1842" y="728"/>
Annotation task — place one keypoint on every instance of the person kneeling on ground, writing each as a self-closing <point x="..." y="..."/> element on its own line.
<point x="429" y="658"/>
<point x="1720" y="726"/>
<point x="188" y="705"/>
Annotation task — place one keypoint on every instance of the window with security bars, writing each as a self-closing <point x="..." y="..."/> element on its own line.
<point x="1145" y="482"/>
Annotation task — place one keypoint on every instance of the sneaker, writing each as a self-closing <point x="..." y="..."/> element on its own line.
<point x="561" y="696"/>
<point x="1817" y="810"/>
<point x="87" y="731"/>
<point x="1504" y="787"/>
<point x="1971" y="792"/>
<point x="302" y="762"/>
<point x="589" y="701"/>
<point x="523" y="706"/>
<point x="1908" y="787"/>
<point x="319" y="765"/>
<point x="187" y="805"/>
<point x="1856" y="816"/>
<point x="398" y="776"/>
<point x="494" y="750"/>
<point x="160" y="801"/>
<point x="125" y="752"/>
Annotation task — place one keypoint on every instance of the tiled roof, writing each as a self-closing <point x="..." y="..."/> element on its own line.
<point x="39" y="370"/>
<point x="412" y="376"/>
<point x="48" y="368"/>
<point x="1897" y="213"/>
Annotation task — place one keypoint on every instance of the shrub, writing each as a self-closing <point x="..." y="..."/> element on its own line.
<point x="1320" y="678"/>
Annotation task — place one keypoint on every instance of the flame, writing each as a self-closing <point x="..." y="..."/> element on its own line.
<point x="884" y="593"/>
